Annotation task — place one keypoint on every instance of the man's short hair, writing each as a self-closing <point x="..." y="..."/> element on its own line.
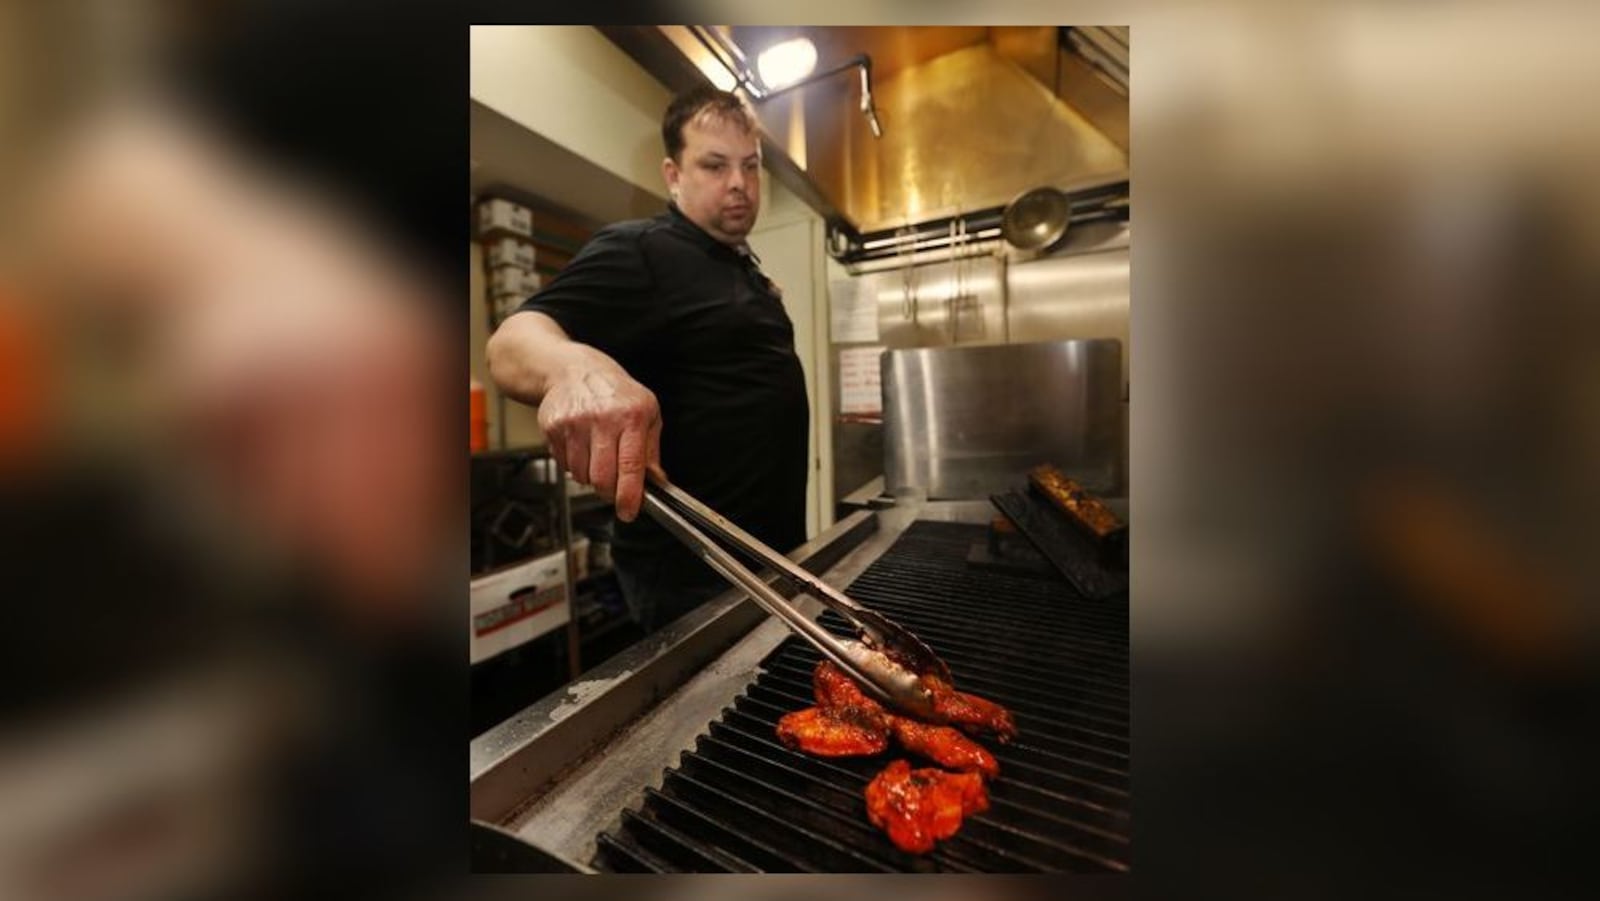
<point x="704" y="99"/>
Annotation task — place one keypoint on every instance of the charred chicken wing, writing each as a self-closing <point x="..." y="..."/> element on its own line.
<point x="944" y="746"/>
<point x="845" y="722"/>
<point x="920" y="807"/>
<point x="970" y="712"/>
<point x="834" y="732"/>
<point x="915" y="807"/>
<point x="834" y="688"/>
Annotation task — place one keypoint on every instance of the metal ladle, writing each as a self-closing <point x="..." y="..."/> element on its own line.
<point x="1037" y="219"/>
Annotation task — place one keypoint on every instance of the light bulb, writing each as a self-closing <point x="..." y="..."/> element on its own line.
<point x="786" y="63"/>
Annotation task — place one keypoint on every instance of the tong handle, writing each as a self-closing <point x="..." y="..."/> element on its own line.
<point x="890" y="682"/>
<point x="878" y="629"/>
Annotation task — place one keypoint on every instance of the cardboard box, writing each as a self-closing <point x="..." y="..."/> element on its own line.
<point x="518" y="604"/>
<point x="513" y="280"/>
<point x="500" y="216"/>
<point x="509" y="250"/>
<point x="580" y="557"/>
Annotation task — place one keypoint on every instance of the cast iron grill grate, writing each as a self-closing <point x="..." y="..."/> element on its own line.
<point x="740" y="801"/>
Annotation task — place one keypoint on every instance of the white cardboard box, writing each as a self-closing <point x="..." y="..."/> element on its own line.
<point x="513" y="280"/>
<point x="509" y="250"/>
<point x="497" y="215"/>
<point x="580" y="557"/>
<point x="518" y="604"/>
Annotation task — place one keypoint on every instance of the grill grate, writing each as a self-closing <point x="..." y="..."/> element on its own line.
<point x="741" y="801"/>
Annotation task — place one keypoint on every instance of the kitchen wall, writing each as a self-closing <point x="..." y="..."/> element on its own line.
<point x="510" y="424"/>
<point x="571" y="86"/>
<point x="789" y="241"/>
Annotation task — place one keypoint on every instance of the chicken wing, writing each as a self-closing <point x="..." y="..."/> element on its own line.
<point x="915" y="807"/>
<point x="970" y="712"/>
<point x="833" y="732"/>
<point x="845" y="717"/>
<point x="944" y="746"/>
<point x="834" y="688"/>
<point x="920" y="807"/>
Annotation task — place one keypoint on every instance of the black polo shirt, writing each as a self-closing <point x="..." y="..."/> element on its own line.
<point x="696" y="322"/>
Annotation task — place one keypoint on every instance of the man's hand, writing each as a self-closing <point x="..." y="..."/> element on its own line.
<point x="600" y="424"/>
<point x="604" y="428"/>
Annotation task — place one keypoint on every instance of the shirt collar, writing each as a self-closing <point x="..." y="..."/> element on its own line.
<point x="742" y="249"/>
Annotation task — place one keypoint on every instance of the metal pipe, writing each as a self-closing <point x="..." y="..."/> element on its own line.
<point x="932" y="256"/>
<point x="925" y="243"/>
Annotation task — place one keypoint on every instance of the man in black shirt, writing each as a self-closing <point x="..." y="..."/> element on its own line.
<point x="663" y="344"/>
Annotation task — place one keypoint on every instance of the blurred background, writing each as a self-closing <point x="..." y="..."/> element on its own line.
<point x="1362" y="456"/>
<point x="230" y="538"/>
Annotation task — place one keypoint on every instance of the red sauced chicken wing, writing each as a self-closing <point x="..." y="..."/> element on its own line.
<point x="920" y="807"/>
<point x="915" y="807"/>
<point x="833" y="732"/>
<point x="970" y="712"/>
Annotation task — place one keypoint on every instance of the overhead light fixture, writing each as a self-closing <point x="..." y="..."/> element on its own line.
<point x="862" y="62"/>
<point x="782" y="68"/>
<point x="720" y="77"/>
<point x="868" y="108"/>
<point x="785" y="63"/>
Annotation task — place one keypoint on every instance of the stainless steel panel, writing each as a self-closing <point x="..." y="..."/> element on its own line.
<point x="1078" y="292"/>
<point x="965" y="422"/>
<point x="857" y="455"/>
<point x="939" y="304"/>
<point x="1072" y="295"/>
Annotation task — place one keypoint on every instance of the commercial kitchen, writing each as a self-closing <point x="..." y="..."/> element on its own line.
<point x="947" y="212"/>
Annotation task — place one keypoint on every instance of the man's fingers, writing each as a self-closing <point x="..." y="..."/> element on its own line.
<point x="630" y="473"/>
<point x="652" y="448"/>
<point x="603" y="462"/>
<point x="578" y="455"/>
<point x="607" y="439"/>
<point x="558" y="452"/>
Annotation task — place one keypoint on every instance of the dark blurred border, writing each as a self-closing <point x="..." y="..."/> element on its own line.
<point x="366" y="101"/>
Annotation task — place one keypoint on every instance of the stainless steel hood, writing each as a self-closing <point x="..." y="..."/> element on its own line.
<point x="971" y="116"/>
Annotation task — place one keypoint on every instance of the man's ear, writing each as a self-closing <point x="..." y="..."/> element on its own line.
<point x="670" y="172"/>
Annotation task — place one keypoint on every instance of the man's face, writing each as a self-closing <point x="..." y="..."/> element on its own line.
<point x="718" y="183"/>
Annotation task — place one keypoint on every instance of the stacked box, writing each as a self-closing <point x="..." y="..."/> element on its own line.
<point x="509" y="250"/>
<point x="509" y="256"/>
<point x="497" y="216"/>
<point x="505" y="303"/>
<point x="513" y="280"/>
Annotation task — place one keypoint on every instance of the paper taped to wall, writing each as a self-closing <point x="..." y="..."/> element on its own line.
<point x="860" y="381"/>
<point x="852" y="310"/>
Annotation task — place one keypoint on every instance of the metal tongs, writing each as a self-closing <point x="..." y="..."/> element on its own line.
<point x="886" y="659"/>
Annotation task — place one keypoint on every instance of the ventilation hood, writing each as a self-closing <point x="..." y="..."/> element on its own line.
<point x="971" y="116"/>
